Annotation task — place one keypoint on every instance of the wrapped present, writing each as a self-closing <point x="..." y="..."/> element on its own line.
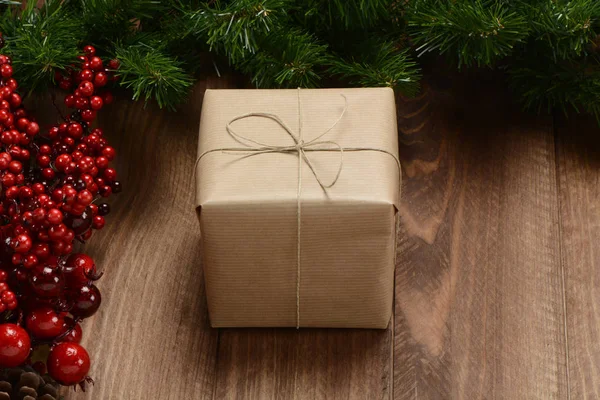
<point x="297" y="193"/>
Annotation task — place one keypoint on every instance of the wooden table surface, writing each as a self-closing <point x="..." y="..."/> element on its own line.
<point x="497" y="284"/>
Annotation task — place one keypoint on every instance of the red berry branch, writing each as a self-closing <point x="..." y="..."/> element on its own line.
<point x="51" y="189"/>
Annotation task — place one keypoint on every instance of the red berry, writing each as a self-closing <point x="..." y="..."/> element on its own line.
<point x="89" y="51"/>
<point x="15" y="167"/>
<point x="44" y="323"/>
<point x="12" y="84"/>
<point x="114" y="64"/>
<point x="6" y="71"/>
<point x="79" y="270"/>
<point x="32" y="129"/>
<point x="98" y="222"/>
<point x="86" y="75"/>
<point x="109" y="153"/>
<point x="86" y="88"/>
<point x="48" y="173"/>
<point x="81" y="102"/>
<point x="106" y="191"/>
<point x="66" y="83"/>
<point x="70" y="101"/>
<point x="100" y="79"/>
<point x="75" y="333"/>
<point x="110" y="174"/>
<point x="54" y="216"/>
<point x="8" y="297"/>
<point x="22" y="243"/>
<point x="79" y="223"/>
<point x="46" y="281"/>
<point x="102" y="162"/>
<point x="57" y="232"/>
<point x="62" y="161"/>
<point x="25" y="192"/>
<point x="15" y="345"/>
<point x="75" y="130"/>
<point x="85" y="197"/>
<point x="96" y="102"/>
<point x="68" y="363"/>
<point x="86" y="301"/>
<point x="88" y="115"/>
<point x="96" y="63"/>
<point x="22" y="123"/>
<point x="41" y="250"/>
<point x="30" y="261"/>
<point x="14" y="100"/>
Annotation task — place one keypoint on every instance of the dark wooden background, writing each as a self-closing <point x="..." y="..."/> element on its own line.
<point x="497" y="284"/>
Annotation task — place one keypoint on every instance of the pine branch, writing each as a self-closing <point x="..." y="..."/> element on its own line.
<point x="152" y="74"/>
<point x="107" y="21"/>
<point x="542" y="84"/>
<point x="40" y="41"/>
<point x="236" y="28"/>
<point x="549" y="46"/>
<point x="286" y="59"/>
<point x="567" y="27"/>
<point x="387" y="67"/>
<point x="346" y="14"/>
<point x="479" y="32"/>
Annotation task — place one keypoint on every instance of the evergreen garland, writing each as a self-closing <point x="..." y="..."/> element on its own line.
<point x="548" y="47"/>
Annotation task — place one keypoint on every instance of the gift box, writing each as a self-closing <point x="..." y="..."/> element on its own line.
<point x="297" y="193"/>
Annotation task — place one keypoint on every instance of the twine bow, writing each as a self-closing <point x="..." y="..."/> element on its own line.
<point x="253" y="147"/>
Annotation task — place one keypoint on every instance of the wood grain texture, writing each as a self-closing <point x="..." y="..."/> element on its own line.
<point x="479" y="301"/>
<point x="498" y="237"/>
<point x="304" y="364"/>
<point x="578" y="155"/>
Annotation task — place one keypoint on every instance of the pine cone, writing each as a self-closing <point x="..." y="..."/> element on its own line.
<point x="26" y="384"/>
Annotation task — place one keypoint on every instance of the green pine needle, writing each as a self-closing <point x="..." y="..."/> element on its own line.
<point x="543" y="85"/>
<point x="107" y="21"/>
<point x="549" y="47"/>
<point x="567" y="27"/>
<point x="389" y="67"/>
<point x="152" y="74"/>
<point x="476" y="32"/>
<point x="350" y="14"/>
<point x="287" y="59"/>
<point x="236" y="29"/>
<point x="40" y="41"/>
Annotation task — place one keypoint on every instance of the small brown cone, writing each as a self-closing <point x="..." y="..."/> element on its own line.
<point x="26" y="384"/>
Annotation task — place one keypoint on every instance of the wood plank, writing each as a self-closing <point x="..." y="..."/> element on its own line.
<point x="578" y="158"/>
<point x="479" y="301"/>
<point x="151" y="338"/>
<point x="305" y="364"/>
<point x="479" y="307"/>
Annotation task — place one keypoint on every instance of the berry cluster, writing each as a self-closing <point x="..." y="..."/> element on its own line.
<point x="50" y="186"/>
<point x="8" y="299"/>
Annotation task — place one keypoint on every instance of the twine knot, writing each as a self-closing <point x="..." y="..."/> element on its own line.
<point x="300" y="146"/>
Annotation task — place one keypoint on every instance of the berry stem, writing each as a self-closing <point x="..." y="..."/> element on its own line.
<point x="53" y="97"/>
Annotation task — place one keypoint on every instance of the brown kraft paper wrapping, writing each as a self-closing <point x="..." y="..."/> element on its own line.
<point x="247" y="204"/>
